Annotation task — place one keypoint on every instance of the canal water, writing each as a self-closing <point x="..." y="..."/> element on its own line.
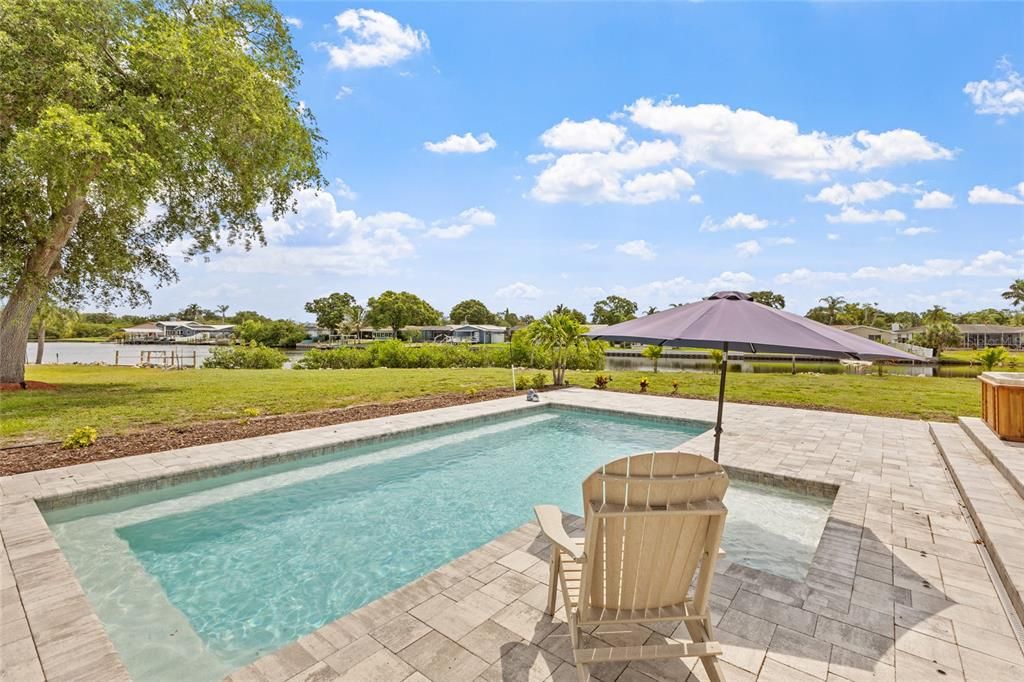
<point x="69" y="352"/>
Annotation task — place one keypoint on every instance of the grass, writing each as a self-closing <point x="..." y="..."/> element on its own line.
<point x="971" y="357"/>
<point x="123" y="399"/>
<point x="931" y="398"/>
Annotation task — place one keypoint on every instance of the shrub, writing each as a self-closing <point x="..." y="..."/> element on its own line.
<point x="396" y="354"/>
<point x="716" y="359"/>
<point x="990" y="357"/>
<point x="245" y="357"/>
<point x="249" y="413"/>
<point x="82" y="437"/>
<point x="643" y="385"/>
<point x="601" y="381"/>
<point x="523" y="382"/>
<point x="279" y="333"/>
<point x="539" y="380"/>
<point x="675" y="387"/>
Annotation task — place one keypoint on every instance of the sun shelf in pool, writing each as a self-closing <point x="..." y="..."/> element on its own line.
<point x="208" y="576"/>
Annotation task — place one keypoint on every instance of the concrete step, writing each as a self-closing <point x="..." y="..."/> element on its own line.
<point x="1007" y="457"/>
<point x="996" y="506"/>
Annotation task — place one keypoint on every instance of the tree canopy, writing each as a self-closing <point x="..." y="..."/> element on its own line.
<point x="613" y="309"/>
<point x="1015" y="293"/>
<point x="472" y="311"/>
<point x="332" y="311"/>
<point x="769" y="298"/>
<point x="562" y="309"/>
<point x="396" y="309"/>
<point x="126" y="125"/>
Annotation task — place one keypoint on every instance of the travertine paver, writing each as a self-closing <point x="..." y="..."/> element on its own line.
<point x="898" y="589"/>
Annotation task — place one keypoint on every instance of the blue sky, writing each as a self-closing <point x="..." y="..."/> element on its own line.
<point x="536" y="154"/>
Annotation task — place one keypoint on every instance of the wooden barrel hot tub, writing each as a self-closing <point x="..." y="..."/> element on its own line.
<point x="1002" y="403"/>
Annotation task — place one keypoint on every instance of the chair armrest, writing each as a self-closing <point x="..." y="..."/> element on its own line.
<point x="549" y="517"/>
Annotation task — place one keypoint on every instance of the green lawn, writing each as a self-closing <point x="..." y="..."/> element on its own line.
<point x="971" y="356"/>
<point x="121" y="399"/>
<point x="893" y="395"/>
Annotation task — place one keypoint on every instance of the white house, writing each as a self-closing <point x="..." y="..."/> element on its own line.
<point x="174" y="330"/>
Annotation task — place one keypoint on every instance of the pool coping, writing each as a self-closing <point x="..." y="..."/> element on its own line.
<point x="49" y="630"/>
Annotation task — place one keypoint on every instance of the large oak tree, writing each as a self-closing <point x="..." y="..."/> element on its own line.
<point x="112" y="110"/>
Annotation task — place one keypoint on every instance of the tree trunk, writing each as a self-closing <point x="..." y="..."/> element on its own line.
<point x="42" y="265"/>
<point x="40" y="342"/>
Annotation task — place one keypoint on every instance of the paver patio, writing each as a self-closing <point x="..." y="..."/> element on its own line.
<point x="899" y="589"/>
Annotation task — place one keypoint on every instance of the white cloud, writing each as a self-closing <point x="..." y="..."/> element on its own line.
<point x="540" y="158"/>
<point x="934" y="199"/>
<point x="349" y="244"/>
<point x="343" y="191"/>
<point x="682" y="289"/>
<point x="989" y="264"/>
<point x="343" y="92"/>
<point x="589" y="246"/>
<point x="613" y="176"/>
<point x="993" y="264"/>
<point x="832" y="236"/>
<point x="739" y="221"/>
<point x="805" y="275"/>
<point x="638" y="248"/>
<point x="915" y="231"/>
<point x="478" y="215"/>
<point x="372" y="39"/>
<point x="982" y="194"/>
<point x="293" y="21"/>
<point x="450" y="232"/>
<point x="742" y="139"/>
<point x="520" y="290"/>
<point x="695" y="199"/>
<point x="857" y="216"/>
<point x="463" y="224"/>
<point x="1020" y="189"/>
<point x="583" y="136"/>
<point x="1003" y="96"/>
<point x="462" y="144"/>
<point x="748" y="248"/>
<point x="857" y="193"/>
<point x="906" y="272"/>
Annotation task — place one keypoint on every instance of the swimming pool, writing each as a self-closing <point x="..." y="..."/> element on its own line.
<point x="208" y="576"/>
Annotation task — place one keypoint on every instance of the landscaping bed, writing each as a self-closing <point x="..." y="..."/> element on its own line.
<point x="20" y="459"/>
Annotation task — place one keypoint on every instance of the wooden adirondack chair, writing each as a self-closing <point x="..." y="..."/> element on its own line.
<point x="653" y="521"/>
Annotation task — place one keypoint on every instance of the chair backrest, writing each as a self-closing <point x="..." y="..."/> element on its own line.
<point x="650" y="518"/>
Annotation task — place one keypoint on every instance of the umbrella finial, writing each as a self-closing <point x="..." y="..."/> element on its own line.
<point x="730" y="295"/>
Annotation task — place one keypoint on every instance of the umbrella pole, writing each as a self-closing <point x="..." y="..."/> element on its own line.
<point x="721" y="397"/>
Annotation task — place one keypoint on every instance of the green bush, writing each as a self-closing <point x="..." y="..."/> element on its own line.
<point x="539" y="380"/>
<point x="601" y="381"/>
<point x="245" y="357"/>
<point x="523" y="382"/>
<point x="398" y="355"/>
<point x="82" y="437"/>
<point x="278" y="333"/>
<point x="990" y="357"/>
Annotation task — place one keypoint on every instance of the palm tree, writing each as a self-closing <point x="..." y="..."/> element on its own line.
<point x="356" y="320"/>
<point x="1015" y="294"/>
<point x="935" y="314"/>
<point x="557" y="333"/>
<point x="49" y="314"/>
<point x="832" y="306"/>
<point x="651" y="310"/>
<point x="653" y="353"/>
<point x="223" y="310"/>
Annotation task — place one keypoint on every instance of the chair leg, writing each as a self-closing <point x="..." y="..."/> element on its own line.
<point x="574" y="637"/>
<point x="553" y="580"/>
<point x="700" y="631"/>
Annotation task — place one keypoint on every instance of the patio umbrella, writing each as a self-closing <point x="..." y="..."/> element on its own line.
<point x="731" y="320"/>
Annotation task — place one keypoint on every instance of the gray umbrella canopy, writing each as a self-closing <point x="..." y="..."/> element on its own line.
<point x="730" y="320"/>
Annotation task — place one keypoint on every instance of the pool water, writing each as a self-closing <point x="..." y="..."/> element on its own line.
<point x="208" y="576"/>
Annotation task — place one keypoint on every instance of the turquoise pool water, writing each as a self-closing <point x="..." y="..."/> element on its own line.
<point x="207" y="577"/>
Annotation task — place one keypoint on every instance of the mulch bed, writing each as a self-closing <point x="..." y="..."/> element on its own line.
<point x="20" y="459"/>
<point x="28" y="386"/>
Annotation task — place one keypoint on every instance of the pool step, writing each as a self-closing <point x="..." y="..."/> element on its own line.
<point x="994" y="503"/>
<point x="1007" y="457"/>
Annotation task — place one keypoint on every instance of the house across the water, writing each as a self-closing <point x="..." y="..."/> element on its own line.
<point x="172" y="331"/>
<point x="977" y="335"/>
